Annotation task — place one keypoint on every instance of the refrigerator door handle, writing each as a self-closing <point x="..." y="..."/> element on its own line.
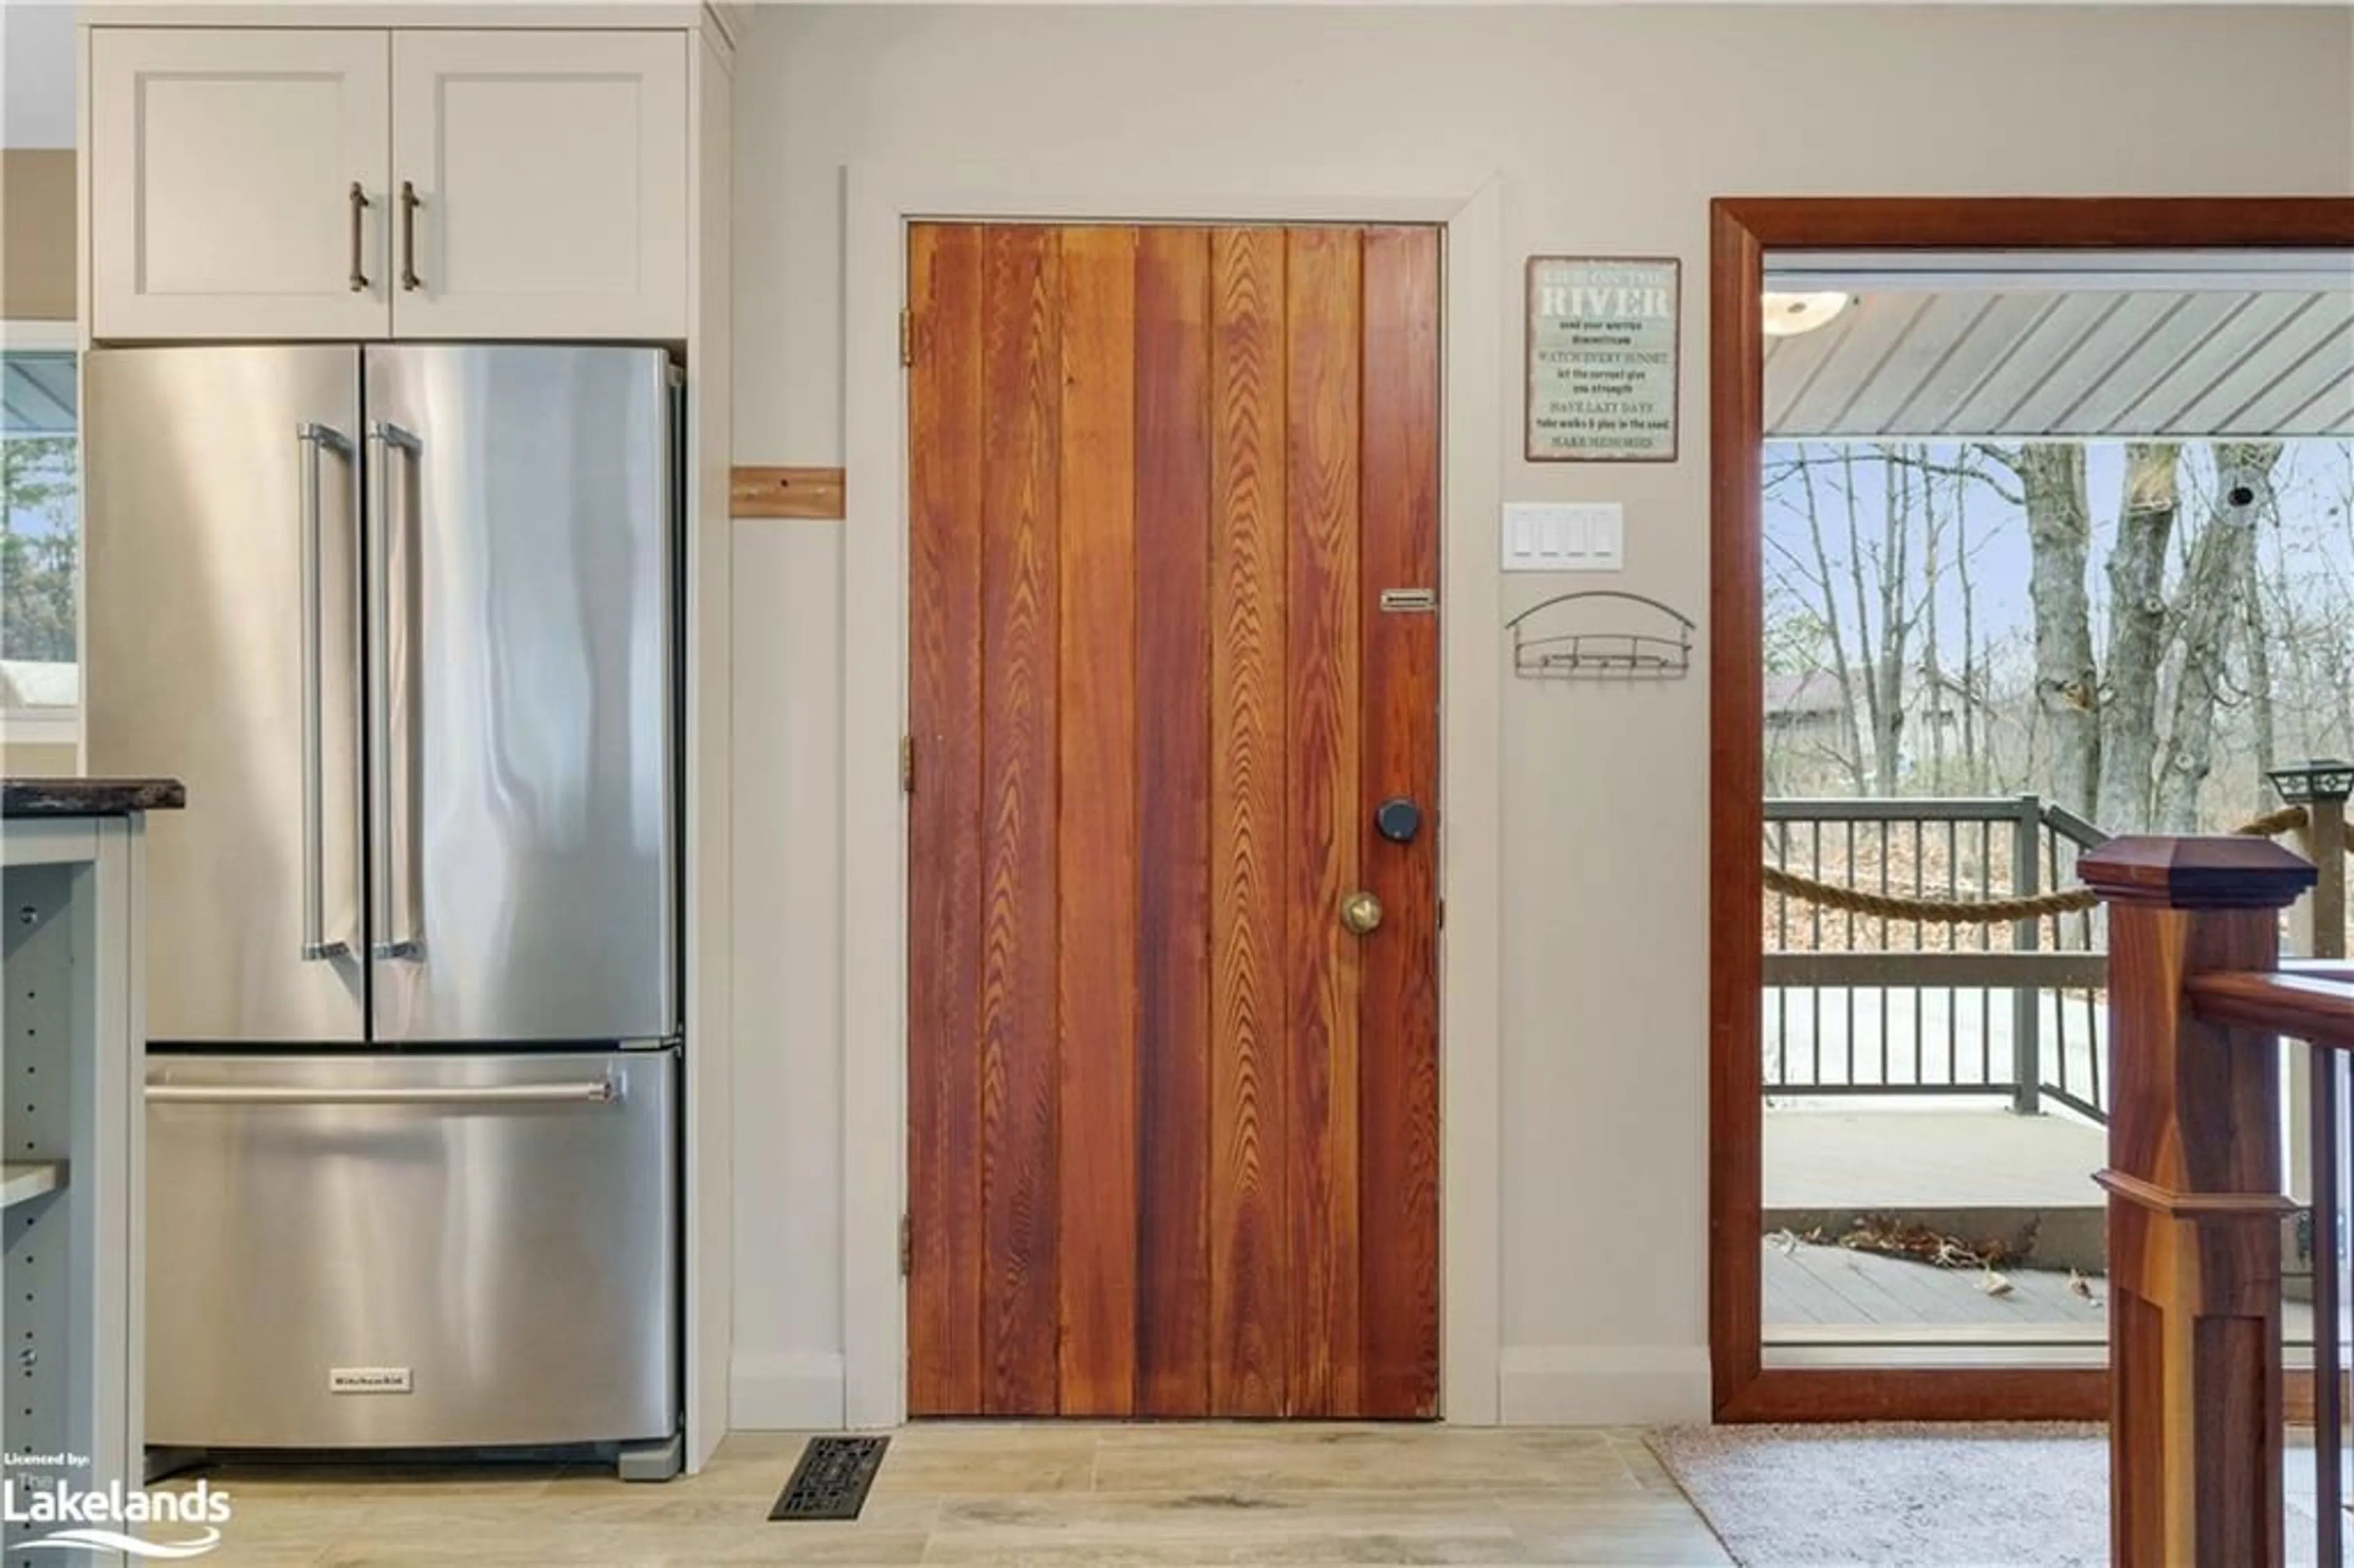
<point x="594" y="1091"/>
<point x="384" y="439"/>
<point x="311" y="440"/>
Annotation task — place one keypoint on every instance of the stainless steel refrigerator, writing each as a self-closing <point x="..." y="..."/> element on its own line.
<point x="405" y="620"/>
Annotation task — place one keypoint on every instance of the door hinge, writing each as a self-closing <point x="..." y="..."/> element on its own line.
<point x="906" y="764"/>
<point x="907" y="337"/>
<point x="1442" y="914"/>
<point x="906" y="1246"/>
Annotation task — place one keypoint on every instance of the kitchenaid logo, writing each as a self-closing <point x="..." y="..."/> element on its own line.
<point x="87" y="1517"/>
<point x="368" y="1380"/>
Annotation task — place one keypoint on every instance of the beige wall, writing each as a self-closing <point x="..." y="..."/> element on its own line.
<point x="38" y="761"/>
<point x="1609" y="129"/>
<point x="36" y="234"/>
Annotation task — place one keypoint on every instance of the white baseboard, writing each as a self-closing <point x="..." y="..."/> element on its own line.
<point x="1603" y="1385"/>
<point x="1543" y="1385"/>
<point x="785" y="1393"/>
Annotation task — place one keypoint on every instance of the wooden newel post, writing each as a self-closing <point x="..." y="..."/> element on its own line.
<point x="2195" y="1206"/>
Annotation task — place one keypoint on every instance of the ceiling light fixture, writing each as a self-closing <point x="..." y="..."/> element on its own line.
<point x="1787" y="315"/>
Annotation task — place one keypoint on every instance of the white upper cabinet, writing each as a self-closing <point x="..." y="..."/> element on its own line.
<point x="261" y="183"/>
<point x="237" y="184"/>
<point x="549" y="177"/>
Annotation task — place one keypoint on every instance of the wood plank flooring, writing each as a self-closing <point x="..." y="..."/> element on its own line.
<point x="1002" y="1495"/>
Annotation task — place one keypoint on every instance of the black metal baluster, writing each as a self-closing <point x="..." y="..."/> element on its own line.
<point x="1985" y="942"/>
<point x="1782" y="941"/>
<point x="1920" y="940"/>
<point x="1815" y="944"/>
<point x="1848" y="991"/>
<point x="1952" y="943"/>
<point x="2060" y="941"/>
<point x="1884" y="948"/>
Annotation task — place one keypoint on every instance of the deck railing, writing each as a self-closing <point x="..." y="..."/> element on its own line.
<point x="2200" y="1004"/>
<point x="1858" y="1004"/>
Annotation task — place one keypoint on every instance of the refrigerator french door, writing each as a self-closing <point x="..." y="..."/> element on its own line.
<point x="404" y="619"/>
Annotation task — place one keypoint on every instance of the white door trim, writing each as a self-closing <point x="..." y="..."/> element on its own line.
<point x="879" y="202"/>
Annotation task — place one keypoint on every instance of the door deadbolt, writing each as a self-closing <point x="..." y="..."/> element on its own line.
<point x="1398" y="820"/>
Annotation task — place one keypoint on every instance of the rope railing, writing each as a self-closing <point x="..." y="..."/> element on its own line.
<point x="1987" y="911"/>
<point x="1931" y="911"/>
<point x="2272" y="824"/>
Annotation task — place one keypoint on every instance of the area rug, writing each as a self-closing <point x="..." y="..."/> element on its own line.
<point x="1894" y="1496"/>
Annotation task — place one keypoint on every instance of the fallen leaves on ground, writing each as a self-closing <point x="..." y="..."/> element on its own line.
<point x="1896" y="1236"/>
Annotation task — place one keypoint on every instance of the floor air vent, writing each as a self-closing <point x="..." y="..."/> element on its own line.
<point x="832" y="1479"/>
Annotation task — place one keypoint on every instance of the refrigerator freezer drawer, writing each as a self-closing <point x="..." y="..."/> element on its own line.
<point x="416" y="1251"/>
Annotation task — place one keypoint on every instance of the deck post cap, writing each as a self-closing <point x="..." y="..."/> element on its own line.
<point x="2233" y="872"/>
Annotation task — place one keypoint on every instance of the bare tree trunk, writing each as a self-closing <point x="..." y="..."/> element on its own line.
<point x="2067" y="682"/>
<point x="1841" y="660"/>
<point x="1866" y="646"/>
<point x="1973" y="673"/>
<point x="1895" y="624"/>
<point x="2339" y="654"/>
<point x="2261" y="710"/>
<point x="2208" y="613"/>
<point x="2137" y="572"/>
<point x="1933" y="678"/>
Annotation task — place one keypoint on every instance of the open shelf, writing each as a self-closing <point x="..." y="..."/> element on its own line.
<point x="29" y="1180"/>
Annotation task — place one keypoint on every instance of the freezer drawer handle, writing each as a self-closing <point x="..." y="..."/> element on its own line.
<point x="600" y="1091"/>
<point x="309" y="439"/>
<point x="383" y="438"/>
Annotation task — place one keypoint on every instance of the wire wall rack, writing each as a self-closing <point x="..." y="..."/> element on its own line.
<point x="1601" y="635"/>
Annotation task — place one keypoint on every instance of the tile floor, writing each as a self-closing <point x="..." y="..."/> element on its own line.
<point x="1006" y="1496"/>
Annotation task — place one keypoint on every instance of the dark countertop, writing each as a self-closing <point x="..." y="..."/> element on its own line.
<point x="89" y="797"/>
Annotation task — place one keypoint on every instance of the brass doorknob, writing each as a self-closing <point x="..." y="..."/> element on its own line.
<point x="1361" y="912"/>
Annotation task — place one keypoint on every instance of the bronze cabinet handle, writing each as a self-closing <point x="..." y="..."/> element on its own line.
<point x="410" y="202"/>
<point x="359" y="207"/>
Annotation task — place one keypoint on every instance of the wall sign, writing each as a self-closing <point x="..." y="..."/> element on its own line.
<point x="1602" y="350"/>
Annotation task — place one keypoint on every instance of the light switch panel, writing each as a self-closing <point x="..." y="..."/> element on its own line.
<point x="1564" y="536"/>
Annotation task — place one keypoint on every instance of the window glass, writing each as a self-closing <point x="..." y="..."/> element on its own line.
<point x="40" y="548"/>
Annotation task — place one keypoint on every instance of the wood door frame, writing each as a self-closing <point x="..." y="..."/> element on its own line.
<point x="880" y="201"/>
<point x="1742" y="230"/>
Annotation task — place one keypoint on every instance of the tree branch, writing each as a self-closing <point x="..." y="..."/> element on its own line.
<point x="1958" y="471"/>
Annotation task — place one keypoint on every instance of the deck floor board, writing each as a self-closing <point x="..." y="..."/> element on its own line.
<point x="1820" y="1289"/>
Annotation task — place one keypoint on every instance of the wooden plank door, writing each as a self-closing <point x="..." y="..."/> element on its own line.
<point x="1173" y="1126"/>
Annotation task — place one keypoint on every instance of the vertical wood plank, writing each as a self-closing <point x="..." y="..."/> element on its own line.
<point x="2138" y="1422"/>
<point x="1172" y="933"/>
<point x="944" y="1286"/>
<point x="1399" y="1021"/>
<point x="1019" y="969"/>
<point x="1250" y="1275"/>
<point x="1096" y="1256"/>
<point x="1322" y="323"/>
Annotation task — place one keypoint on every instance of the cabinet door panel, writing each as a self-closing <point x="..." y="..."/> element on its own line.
<point x="222" y="164"/>
<point x="550" y="176"/>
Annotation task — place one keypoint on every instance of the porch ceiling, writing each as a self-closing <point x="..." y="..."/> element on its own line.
<point x="1934" y="363"/>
